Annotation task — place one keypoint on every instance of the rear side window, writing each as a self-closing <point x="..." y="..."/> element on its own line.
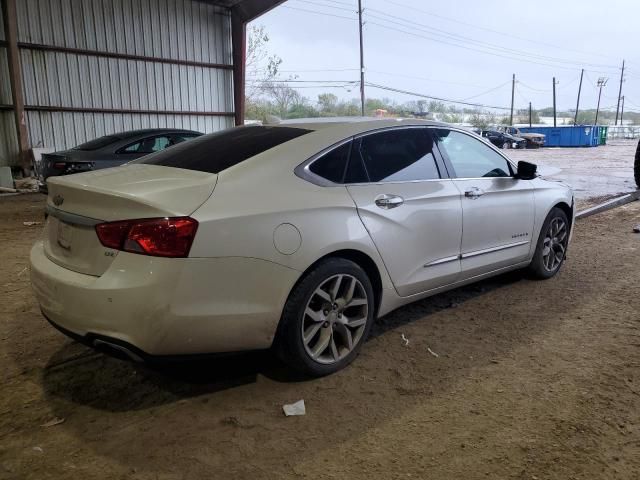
<point x="399" y="155"/>
<point x="97" y="143"/>
<point x="148" y="145"/>
<point x="216" y="152"/>
<point x="333" y="164"/>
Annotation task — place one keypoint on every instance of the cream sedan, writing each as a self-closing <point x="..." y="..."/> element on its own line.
<point x="295" y="236"/>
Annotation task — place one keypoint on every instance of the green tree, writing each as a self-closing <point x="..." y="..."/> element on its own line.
<point x="328" y="103"/>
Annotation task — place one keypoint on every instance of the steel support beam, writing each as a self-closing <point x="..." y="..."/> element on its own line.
<point x="10" y="17"/>
<point x="241" y="14"/>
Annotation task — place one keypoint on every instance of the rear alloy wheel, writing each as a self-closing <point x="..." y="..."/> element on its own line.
<point x="552" y="245"/>
<point x="327" y="318"/>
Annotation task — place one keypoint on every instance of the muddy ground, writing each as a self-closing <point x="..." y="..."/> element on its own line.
<point x="592" y="172"/>
<point x="533" y="380"/>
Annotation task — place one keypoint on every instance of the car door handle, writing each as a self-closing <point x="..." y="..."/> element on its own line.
<point x="388" y="201"/>
<point x="474" y="193"/>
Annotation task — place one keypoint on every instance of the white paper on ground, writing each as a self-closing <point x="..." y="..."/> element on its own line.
<point x="293" y="409"/>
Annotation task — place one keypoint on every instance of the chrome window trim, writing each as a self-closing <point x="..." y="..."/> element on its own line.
<point x="72" y="218"/>
<point x="302" y="170"/>
<point x="305" y="173"/>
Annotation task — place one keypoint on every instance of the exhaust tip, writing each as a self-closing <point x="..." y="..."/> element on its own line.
<point x="116" y="350"/>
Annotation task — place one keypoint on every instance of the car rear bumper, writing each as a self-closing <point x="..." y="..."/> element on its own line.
<point x="166" y="306"/>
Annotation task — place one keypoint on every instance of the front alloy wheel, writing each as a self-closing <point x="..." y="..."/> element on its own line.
<point x="554" y="244"/>
<point x="327" y="318"/>
<point x="551" y="248"/>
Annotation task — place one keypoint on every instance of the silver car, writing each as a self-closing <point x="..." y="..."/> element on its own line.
<point x="295" y="236"/>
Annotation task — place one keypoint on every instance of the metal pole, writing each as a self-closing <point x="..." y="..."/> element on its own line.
<point x="619" y="92"/>
<point x="529" y="114"/>
<point x="554" y="102"/>
<point x="598" y="107"/>
<point x="10" y="16"/>
<point x="513" y="91"/>
<point x="575" y="120"/>
<point x="622" y="112"/>
<point x="361" y="58"/>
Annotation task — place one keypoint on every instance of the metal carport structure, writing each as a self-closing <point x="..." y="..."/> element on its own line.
<point x="71" y="70"/>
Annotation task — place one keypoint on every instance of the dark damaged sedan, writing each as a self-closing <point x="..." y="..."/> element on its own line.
<point x="110" y="151"/>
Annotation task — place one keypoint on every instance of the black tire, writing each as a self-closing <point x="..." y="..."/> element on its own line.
<point x="539" y="267"/>
<point x="289" y="343"/>
<point x="636" y="166"/>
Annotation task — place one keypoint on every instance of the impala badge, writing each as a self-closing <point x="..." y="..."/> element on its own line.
<point x="58" y="200"/>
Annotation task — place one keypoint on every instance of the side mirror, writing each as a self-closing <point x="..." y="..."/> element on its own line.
<point x="526" y="171"/>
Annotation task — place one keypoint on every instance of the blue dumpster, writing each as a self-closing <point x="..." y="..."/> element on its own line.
<point x="568" y="136"/>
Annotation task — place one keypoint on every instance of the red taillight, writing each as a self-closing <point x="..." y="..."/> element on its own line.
<point x="59" y="165"/>
<point x="160" y="237"/>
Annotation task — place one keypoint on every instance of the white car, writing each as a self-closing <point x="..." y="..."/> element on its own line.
<point x="296" y="236"/>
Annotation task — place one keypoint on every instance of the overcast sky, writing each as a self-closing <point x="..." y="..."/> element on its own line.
<point x="438" y="48"/>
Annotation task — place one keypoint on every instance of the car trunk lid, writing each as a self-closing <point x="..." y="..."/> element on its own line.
<point x="77" y="203"/>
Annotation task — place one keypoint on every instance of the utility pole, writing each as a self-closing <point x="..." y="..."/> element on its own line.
<point x="513" y="91"/>
<point x="361" y="58"/>
<point x="529" y="114"/>
<point x="575" y="120"/>
<point x="602" y="81"/>
<point x="622" y="111"/>
<point x="554" y="103"/>
<point x="620" y="92"/>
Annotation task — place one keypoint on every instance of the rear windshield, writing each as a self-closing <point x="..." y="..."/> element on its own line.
<point x="218" y="151"/>
<point x="97" y="143"/>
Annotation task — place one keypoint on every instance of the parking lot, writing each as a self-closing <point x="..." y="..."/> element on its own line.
<point x="592" y="172"/>
<point x="489" y="385"/>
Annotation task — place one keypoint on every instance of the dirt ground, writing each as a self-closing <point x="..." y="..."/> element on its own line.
<point x="532" y="380"/>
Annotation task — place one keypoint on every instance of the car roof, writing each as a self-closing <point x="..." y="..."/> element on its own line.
<point x="348" y="126"/>
<point x="149" y="131"/>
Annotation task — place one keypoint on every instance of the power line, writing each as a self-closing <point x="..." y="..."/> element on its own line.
<point x="422" y="95"/>
<point x="470" y="48"/>
<point x="486" y="92"/>
<point x="431" y="14"/>
<point x="425" y="79"/>
<point x="320" y="70"/>
<point x="318" y="13"/>
<point x="460" y="38"/>
<point x="326" y="6"/>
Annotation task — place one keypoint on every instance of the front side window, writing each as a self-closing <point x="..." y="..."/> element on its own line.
<point x="399" y="155"/>
<point x="470" y="157"/>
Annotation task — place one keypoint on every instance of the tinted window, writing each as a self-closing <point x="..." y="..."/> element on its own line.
<point x="332" y="165"/>
<point x="183" y="137"/>
<point x="470" y="157"/>
<point x="355" y="171"/>
<point x="97" y="143"/>
<point x="149" y="145"/>
<point x="399" y="155"/>
<point x="218" y="151"/>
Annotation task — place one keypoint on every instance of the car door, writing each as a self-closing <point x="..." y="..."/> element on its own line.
<point x="410" y="209"/>
<point x="497" y="208"/>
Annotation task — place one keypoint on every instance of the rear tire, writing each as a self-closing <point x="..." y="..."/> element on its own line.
<point x="636" y="166"/>
<point x="327" y="318"/>
<point x="551" y="248"/>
